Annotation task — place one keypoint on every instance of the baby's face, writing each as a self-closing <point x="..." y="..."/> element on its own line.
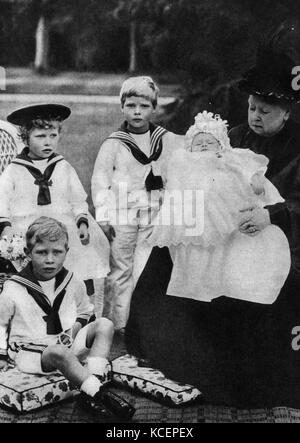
<point x="205" y="142"/>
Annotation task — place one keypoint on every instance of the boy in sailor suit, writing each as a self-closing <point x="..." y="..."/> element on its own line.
<point x="40" y="182"/>
<point x="127" y="186"/>
<point x="48" y="313"/>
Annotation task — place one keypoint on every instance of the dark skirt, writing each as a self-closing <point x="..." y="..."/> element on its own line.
<point x="237" y="353"/>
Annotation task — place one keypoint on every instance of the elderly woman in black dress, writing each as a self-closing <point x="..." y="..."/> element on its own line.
<point x="271" y="131"/>
<point x="236" y="352"/>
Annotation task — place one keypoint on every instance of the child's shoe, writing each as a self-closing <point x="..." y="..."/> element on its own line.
<point x="116" y="404"/>
<point x="94" y="405"/>
<point x="108" y="405"/>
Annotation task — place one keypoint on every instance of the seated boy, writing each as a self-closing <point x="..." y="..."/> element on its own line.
<point x="48" y="313"/>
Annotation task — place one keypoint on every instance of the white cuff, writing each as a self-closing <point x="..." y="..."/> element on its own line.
<point x="102" y="215"/>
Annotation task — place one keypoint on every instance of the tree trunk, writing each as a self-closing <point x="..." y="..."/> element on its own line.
<point x="41" y="63"/>
<point x="133" y="48"/>
<point x="2" y="79"/>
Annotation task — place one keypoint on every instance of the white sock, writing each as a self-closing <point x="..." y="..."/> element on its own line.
<point x="97" y="365"/>
<point x="91" y="386"/>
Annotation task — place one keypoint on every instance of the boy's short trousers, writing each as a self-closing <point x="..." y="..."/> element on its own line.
<point x="29" y="358"/>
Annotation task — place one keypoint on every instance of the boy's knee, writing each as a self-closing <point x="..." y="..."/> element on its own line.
<point x="104" y="326"/>
<point x="57" y="355"/>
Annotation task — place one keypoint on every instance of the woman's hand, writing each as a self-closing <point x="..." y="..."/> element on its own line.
<point x="84" y="234"/>
<point x="254" y="220"/>
<point x="108" y="231"/>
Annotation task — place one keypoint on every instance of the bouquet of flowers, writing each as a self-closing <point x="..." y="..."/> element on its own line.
<point x="13" y="250"/>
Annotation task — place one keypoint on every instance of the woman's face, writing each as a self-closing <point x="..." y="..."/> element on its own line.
<point x="205" y="142"/>
<point x="266" y="119"/>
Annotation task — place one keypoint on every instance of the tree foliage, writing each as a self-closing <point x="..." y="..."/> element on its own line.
<point x="202" y="38"/>
<point x="203" y="44"/>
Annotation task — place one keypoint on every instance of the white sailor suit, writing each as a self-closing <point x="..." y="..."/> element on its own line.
<point x="127" y="186"/>
<point x="31" y="189"/>
<point x="34" y="322"/>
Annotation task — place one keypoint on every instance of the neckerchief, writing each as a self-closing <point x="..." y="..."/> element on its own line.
<point x="41" y="180"/>
<point x="152" y="182"/>
<point x="27" y="279"/>
<point x="156" y="134"/>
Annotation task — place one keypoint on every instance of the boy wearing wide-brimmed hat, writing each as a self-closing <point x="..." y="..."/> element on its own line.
<point x="40" y="182"/>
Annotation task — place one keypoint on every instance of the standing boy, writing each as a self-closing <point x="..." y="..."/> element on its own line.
<point x="127" y="188"/>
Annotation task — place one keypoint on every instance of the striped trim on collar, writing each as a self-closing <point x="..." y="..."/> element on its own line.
<point x="156" y="145"/>
<point x="27" y="283"/>
<point x="64" y="283"/>
<point x="127" y="137"/>
<point x="28" y="164"/>
<point x="156" y="136"/>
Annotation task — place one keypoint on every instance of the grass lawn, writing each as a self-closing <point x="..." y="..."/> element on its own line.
<point x="26" y="81"/>
<point x="82" y="135"/>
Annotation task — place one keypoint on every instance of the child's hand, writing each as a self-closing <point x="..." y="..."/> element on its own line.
<point x="108" y="231"/>
<point x="3" y="365"/>
<point x="65" y="338"/>
<point x="258" y="183"/>
<point x="84" y="234"/>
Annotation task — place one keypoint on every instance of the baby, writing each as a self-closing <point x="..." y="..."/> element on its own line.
<point x="204" y="141"/>
<point x="222" y="259"/>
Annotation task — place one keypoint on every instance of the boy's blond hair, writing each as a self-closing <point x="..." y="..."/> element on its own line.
<point x="141" y="86"/>
<point x="45" y="228"/>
